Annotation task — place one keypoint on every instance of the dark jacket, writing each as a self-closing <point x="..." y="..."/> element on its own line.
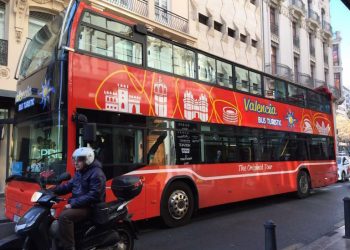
<point x="88" y="186"/>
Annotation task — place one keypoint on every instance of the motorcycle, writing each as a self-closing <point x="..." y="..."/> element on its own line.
<point x="110" y="226"/>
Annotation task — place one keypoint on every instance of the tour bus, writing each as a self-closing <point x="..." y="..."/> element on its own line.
<point x="199" y="130"/>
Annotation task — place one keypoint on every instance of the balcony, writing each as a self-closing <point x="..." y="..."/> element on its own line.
<point x="314" y="17"/>
<point x="137" y="6"/>
<point x="280" y="70"/>
<point x="3" y="52"/>
<point x="327" y="27"/>
<point x="296" y="42"/>
<point x="152" y="19"/>
<point x="298" y="7"/>
<point x="274" y="29"/>
<point x="306" y="80"/>
<point x="171" y="19"/>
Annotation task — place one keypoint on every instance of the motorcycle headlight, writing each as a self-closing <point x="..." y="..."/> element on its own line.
<point x="36" y="196"/>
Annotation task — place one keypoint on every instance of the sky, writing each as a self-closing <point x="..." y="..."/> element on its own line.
<point x="340" y="21"/>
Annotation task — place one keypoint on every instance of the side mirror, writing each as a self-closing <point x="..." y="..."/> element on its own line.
<point x="63" y="177"/>
<point x="89" y="132"/>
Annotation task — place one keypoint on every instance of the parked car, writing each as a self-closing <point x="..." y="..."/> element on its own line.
<point x="343" y="163"/>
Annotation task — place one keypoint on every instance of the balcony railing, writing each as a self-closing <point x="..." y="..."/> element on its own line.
<point x="279" y="70"/>
<point x="137" y="6"/>
<point x="312" y="51"/>
<point x="171" y="19"/>
<point x="314" y="16"/>
<point x="3" y="52"/>
<point x="296" y="42"/>
<point x="274" y="28"/>
<point x="327" y="27"/>
<point x="298" y="4"/>
<point x="306" y="80"/>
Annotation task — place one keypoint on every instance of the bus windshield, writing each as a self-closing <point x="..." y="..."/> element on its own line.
<point x="41" y="48"/>
<point x="38" y="149"/>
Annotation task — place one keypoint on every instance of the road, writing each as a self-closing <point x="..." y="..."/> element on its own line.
<point x="240" y="225"/>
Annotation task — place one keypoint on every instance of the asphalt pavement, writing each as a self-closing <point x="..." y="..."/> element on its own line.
<point x="300" y="223"/>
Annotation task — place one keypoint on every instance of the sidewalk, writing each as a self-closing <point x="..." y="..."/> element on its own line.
<point x="332" y="241"/>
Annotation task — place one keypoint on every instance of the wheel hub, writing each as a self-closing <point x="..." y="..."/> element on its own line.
<point x="178" y="204"/>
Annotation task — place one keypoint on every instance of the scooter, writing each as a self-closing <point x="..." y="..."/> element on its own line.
<point x="110" y="226"/>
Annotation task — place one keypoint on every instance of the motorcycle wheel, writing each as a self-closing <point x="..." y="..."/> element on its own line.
<point x="126" y="241"/>
<point x="28" y="244"/>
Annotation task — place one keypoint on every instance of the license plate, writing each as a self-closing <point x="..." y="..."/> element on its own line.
<point x="16" y="218"/>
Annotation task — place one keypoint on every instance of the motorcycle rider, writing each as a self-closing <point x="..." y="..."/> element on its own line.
<point x="87" y="187"/>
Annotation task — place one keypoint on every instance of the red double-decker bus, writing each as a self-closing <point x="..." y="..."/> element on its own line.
<point x="200" y="130"/>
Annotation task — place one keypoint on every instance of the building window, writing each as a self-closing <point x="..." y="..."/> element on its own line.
<point x="326" y="75"/>
<point x="3" y="42"/>
<point x="243" y="38"/>
<point x="296" y="69"/>
<point x="311" y="45"/>
<point x="273" y="60"/>
<point x="254" y="43"/>
<point x="325" y="53"/>
<point x="203" y="19"/>
<point x="273" y="21"/>
<point x="36" y="21"/>
<point x="2" y="20"/>
<point x="231" y="32"/>
<point x="335" y="55"/>
<point x="253" y="2"/>
<point x="337" y="80"/>
<point x="217" y="26"/>
<point x="312" y="71"/>
<point x="296" y="40"/>
<point x="161" y="10"/>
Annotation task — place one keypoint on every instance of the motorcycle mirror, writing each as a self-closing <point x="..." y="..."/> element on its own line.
<point x="63" y="177"/>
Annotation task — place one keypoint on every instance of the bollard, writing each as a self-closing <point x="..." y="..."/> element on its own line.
<point x="347" y="217"/>
<point x="270" y="235"/>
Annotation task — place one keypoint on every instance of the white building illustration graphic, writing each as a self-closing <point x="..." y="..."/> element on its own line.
<point x="160" y="98"/>
<point x="323" y="129"/>
<point x="195" y="108"/>
<point x="307" y="128"/>
<point x="122" y="101"/>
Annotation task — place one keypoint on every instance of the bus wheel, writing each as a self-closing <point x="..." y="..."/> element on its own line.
<point x="177" y="205"/>
<point x="303" y="184"/>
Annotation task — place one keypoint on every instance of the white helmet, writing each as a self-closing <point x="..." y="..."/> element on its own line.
<point x="84" y="154"/>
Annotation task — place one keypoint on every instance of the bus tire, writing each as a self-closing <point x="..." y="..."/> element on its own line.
<point x="177" y="205"/>
<point x="303" y="184"/>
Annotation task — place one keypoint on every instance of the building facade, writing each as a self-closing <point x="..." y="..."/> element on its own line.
<point x="19" y="20"/>
<point x="227" y="29"/>
<point x="298" y="42"/>
<point x="344" y="108"/>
